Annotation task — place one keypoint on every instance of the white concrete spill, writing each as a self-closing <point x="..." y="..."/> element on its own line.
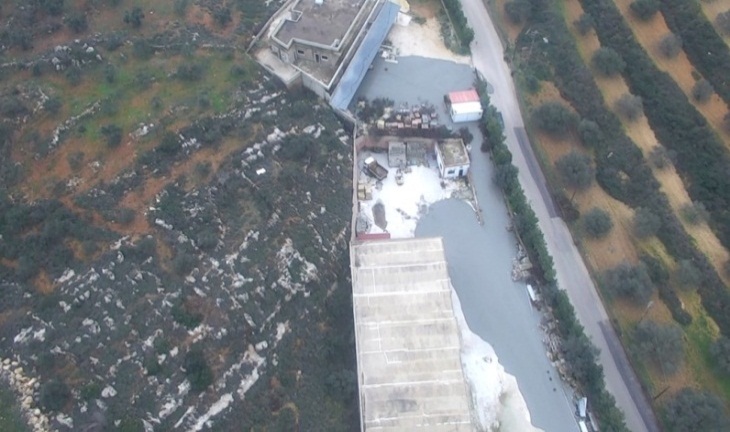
<point x="405" y="204"/>
<point x="423" y="40"/>
<point x="497" y="400"/>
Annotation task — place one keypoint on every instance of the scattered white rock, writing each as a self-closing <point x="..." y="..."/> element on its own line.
<point x="108" y="392"/>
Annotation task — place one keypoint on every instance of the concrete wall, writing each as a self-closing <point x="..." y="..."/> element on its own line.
<point x="304" y="52"/>
<point x="315" y="86"/>
<point x="454" y="171"/>
<point x="462" y="117"/>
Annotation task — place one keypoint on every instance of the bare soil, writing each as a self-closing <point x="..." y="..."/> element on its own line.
<point x="640" y="132"/>
<point x="513" y="30"/>
<point x="649" y="34"/>
<point x="617" y="246"/>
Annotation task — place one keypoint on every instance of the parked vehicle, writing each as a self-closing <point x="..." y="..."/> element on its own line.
<point x="373" y="168"/>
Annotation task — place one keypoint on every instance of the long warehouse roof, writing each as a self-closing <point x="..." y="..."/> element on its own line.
<point x="408" y="344"/>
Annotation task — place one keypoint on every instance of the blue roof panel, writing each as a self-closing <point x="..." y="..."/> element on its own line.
<point x="364" y="56"/>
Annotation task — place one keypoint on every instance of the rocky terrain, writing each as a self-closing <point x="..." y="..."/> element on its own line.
<point x="173" y="241"/>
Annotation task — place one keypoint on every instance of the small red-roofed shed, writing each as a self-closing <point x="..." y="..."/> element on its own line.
<point x="464" y="106"/>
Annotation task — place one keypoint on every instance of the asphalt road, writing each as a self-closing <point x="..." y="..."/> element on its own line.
<point x="572" y="274"/>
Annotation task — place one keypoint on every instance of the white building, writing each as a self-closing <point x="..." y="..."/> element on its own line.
<point x="452" y="158"/>
<point x="464" y="106"/>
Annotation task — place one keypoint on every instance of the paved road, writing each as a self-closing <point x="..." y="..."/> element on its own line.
<point x="572" y="273"/>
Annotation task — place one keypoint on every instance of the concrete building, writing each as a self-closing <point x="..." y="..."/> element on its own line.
<point x="327" y="45"/>
<point x="464" y="106"/>
<point x="407" y="339"/>
<point x="452" y="158"/>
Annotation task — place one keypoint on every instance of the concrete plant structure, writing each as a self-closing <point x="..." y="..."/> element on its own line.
<point x="408" y="342"/>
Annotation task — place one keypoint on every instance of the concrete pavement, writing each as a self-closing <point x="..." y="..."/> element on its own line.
<point x="572" y="274"/>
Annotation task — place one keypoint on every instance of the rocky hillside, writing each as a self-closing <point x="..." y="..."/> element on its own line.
<point x="173" y="226"/>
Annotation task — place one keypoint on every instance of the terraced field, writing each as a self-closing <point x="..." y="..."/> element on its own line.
<point x="668" y="189"/>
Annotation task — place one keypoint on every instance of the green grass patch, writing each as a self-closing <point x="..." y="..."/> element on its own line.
<point x="10" y="419"/>
<point x="700" y="335"/>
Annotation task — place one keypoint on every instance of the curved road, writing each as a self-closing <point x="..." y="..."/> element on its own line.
<point x="572" y="274"/>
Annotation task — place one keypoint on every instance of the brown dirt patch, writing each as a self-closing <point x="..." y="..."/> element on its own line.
<point x="548" y="92"/>
<point x="425" y="8"/>
<point x="43" y="283"/>
<point x="513" y="30"/>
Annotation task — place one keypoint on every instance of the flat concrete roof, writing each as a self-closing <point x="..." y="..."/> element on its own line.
<point x="320" y="23"/>
<point x="453" y="152"/>
<point x="408" y="343"/>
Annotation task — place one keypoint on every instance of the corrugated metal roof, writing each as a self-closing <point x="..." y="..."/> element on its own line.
<point x="463" y="96"/>
<point x="364" y="56"/>
<point x="408" y="344"/>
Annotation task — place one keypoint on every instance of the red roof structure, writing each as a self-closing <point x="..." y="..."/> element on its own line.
<point x="464" y="96"/>
<point x="373" y="236"/>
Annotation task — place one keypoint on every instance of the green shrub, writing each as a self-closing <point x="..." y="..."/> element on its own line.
<point x="723" y="22"/>
<point x="629" y="106"/>
<point x="644" y="9"/>
<point x="608" y="62"/>
<point x="629" y="281"/>
<point x="645" y="223"/>
<point x="54" y="395"/>
<point x="597" y="223"/>
<point x="113" y="135"/>
<point x="695" y="410"/>
<point x="554" y="118"/>
<point x="688" y="275"/>
<point x="660" y="343"/>
<point x="197" y="370"/>
<point x="694" y="213"/>
<point x="584" y="24"/>
<point x="670" y="45"/>
<point x="720" y="351"/>
<point x="702" y="91"/>
<point x="518" y="11"/>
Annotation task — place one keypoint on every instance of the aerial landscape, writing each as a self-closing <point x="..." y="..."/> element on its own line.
<point x="331" y="215"/>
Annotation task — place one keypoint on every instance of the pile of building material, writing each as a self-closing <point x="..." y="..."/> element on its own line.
<point x="416" y="117"/>
<point x="364" y="191"/>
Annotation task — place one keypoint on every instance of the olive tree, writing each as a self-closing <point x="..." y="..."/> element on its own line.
<point x="660" y="158"/>
<point x="584" y="24"/>
<point x="661" y="344"/>
<point x="518" y="11"/>
<point x="629" y="106"/>
<point x="723" y="22"/>
<point x="644" y="9"/>
<point x="589" y="132"/>
<point x="702" y="90"/>
<point x="688" y="275"/>
<point x="720" y="351"/>
<point x="626" y="280"/>
<point x="694" y="213"/>
<point x="646" y="223"/>
<point x="576" y="171"/>
<point x="597" y="223"/>
<point x="695" y="410"/>
<point x="54" y="395"/>
<point x="670" y="45"/>
<point x="608" y="62"/>
<point x="554" y="118"/>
